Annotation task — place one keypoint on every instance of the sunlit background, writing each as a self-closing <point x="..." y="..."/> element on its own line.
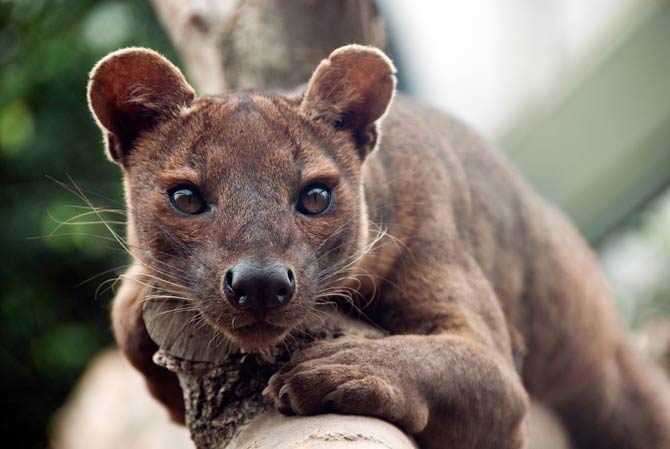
<point x="577" y="92"/>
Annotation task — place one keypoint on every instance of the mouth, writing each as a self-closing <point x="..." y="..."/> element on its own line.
<point x="259" y="334"/>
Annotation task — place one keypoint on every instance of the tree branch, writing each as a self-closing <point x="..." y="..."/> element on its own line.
<point x="223" y="385"/>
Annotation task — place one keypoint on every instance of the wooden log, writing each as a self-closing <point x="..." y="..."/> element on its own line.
<point x="223" y="385"/>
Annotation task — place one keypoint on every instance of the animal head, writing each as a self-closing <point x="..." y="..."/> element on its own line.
<point x="247" y="204"/>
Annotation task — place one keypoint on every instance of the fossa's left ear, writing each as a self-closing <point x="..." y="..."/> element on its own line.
<point x="352" y="90"/>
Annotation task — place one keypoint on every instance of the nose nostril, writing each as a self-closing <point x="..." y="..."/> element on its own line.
<point x="236" y="295"/>
<point x="282" y="293"/>
<point x="240" y="295"/>
<point x="285" y="293"/>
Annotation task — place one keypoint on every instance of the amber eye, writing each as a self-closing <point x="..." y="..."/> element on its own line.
<point x="315" y="199"/>
<point x="187" y="200"/>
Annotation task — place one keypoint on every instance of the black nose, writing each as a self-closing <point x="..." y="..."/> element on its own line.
<point x="259" y="286"/>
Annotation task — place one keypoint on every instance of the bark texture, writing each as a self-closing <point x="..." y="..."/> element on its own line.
<point x="223" y="386"/>
<point x="268" y="44"/>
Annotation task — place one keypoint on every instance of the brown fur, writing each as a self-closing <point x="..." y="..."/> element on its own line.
<point x="470" y="271"/>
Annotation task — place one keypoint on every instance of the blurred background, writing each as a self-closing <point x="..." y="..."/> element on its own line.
<point x="576" y="92"/>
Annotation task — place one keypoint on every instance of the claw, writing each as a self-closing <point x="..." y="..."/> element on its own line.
<point x="283" y="393"/>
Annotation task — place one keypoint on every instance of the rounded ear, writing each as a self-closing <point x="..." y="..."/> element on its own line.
<point x="130" y="91"/>
<point x="352" y="90"/>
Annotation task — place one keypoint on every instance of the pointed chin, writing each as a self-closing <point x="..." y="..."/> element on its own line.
<point x="253" y="328"/>
<point x="248" y="331"/>
<point x="259" y="335"/>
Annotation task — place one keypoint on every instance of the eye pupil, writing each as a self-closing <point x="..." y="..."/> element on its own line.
<point x="314" y="200"/>
<point x="187" y="201"/>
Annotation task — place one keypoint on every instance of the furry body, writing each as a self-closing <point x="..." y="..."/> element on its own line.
<point x="488" y="294"/>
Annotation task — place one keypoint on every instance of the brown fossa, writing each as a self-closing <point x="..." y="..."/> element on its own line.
<point x="254" y="206"/>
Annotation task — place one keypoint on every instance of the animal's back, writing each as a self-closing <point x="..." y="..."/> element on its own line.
<point x="561" y="315"/>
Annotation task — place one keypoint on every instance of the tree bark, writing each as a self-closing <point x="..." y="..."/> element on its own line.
<point x="223" y="386"/>
<point x="264" y="44"/>
<point x="269" y="44"/>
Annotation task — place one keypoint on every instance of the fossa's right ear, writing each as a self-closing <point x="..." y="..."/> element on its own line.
<point x="131" y="91"/>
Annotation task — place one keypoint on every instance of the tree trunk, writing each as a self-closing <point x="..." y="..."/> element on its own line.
<point x="269" y="44"/>
<point x="264" y="44"/>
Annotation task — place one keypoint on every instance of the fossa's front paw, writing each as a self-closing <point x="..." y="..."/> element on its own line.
<point x="344" y="376"/>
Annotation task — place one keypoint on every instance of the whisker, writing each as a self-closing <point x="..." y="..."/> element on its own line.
<point x="101" y="274"/>
<point x="99" y="291"/>
<point x="97" y="211"/>
<point x="66" y="187"/>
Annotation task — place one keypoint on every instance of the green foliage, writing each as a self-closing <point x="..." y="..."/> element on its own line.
<point x="50" y="325"/>
<point x="636" y="261"/>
